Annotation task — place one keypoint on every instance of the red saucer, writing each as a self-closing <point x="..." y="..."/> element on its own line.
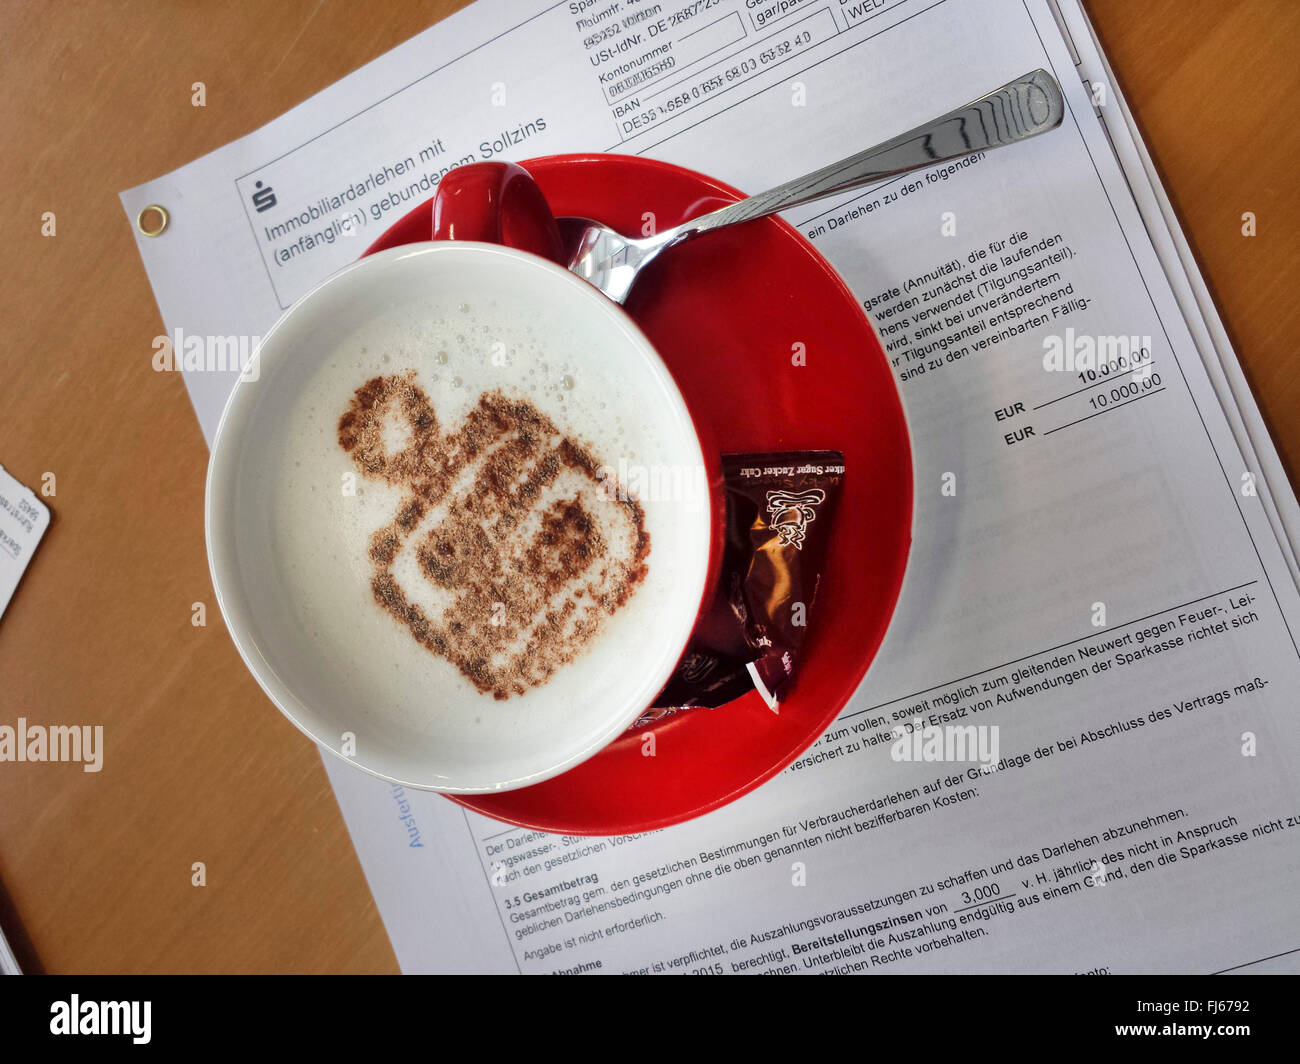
<point x="725" y="312"/>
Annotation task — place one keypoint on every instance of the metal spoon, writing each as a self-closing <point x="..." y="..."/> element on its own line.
<point x="1021" y="109"/>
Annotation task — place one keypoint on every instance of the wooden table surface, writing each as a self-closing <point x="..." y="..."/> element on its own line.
<point x="95" y="869"/>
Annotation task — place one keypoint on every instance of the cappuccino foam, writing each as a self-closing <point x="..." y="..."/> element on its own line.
<point x="449" y="532"/>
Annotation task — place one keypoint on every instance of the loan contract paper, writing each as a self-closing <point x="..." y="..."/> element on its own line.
<point x="1098" y="567"/>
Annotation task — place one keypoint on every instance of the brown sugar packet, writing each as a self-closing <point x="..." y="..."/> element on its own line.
<point x="779" y="508"/>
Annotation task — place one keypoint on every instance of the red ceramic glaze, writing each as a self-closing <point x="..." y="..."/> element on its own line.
<point x="497" y="203"/>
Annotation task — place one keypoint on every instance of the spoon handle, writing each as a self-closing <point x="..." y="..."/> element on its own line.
<point x="1020" y="109"/>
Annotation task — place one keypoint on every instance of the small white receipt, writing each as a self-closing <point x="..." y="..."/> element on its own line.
<point x="23" y="520"/>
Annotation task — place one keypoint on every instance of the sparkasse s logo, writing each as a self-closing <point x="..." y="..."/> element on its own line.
<point x="102" y="1018"/>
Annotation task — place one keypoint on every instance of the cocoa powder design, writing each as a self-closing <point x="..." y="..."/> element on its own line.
<point x="501" y="514"/>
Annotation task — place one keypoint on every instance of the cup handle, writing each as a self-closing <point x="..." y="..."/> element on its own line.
<point x="497" y="203"/>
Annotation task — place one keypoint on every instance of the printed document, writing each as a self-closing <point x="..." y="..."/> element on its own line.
<point x="1103" y="566"/>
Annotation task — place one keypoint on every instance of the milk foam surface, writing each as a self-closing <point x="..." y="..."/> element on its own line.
<point x="457" y="352"/>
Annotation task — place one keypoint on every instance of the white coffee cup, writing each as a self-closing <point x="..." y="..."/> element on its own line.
<point x="424" y="733"/>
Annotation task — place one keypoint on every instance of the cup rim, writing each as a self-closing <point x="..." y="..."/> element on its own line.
<point x="224" y="572"/>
